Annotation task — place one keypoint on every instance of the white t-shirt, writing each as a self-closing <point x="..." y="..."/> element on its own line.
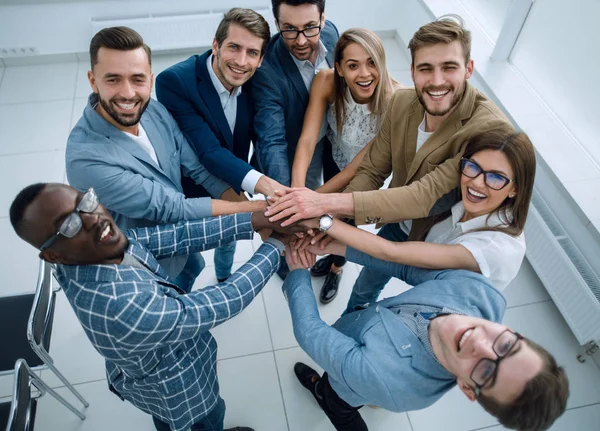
<point x="422" y="137"/>
<point x="143" y="141"/>
<point x="499" y="255"/>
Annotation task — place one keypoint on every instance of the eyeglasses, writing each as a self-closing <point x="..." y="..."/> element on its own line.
<point x="307" y="32"/>
<point x="486" y="369"/>
<point x="73" y="223"/>
<point x="493" y="180"/>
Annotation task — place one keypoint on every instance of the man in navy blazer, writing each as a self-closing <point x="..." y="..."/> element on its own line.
<point x="205" y="96"/>
<point x="280" y="88"/>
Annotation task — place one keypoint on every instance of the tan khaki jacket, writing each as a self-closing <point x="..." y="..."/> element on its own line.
<point x="419" y="178"/>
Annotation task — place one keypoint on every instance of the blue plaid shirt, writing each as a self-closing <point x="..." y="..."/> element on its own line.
<point x="160" y="355"/>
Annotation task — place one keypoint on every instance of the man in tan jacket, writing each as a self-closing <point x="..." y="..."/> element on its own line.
<point x="420" y="143"/>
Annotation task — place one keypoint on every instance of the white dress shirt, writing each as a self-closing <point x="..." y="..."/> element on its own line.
<point x="308" y="72"/>
<point x="499" y="255"/>
<point x="229" y="104"/>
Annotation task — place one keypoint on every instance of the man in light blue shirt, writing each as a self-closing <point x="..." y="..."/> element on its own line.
<point x="131" y="151"/>
<point x="405" y="352"/>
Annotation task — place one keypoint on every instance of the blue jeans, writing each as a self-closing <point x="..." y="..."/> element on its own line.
<point x="192" y="269"/>
<point x="224" y="260"/>
<point x="213" y="421"/>
<point x="371" y="282"/>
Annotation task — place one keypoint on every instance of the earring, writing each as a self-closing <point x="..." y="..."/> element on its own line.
<point x="512" y="195"/>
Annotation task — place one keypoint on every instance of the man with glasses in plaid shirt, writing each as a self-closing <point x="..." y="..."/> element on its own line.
<point x="160" y="354"/>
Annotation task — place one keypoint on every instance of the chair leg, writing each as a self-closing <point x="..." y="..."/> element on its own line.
<point x="48" y="361"/>
<point x="66" y="403"/>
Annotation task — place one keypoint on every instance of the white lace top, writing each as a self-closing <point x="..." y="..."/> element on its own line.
<point x="360" y="127"/>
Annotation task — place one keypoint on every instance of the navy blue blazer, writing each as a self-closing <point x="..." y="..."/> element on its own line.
<point x="280" y="99"/>
<point x="190" y="96"/>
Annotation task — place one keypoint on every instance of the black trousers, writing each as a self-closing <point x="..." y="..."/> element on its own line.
<point x="342" y="415"/>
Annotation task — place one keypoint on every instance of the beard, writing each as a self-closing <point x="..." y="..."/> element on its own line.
<point x="124" y="120"/>
<point x="458" y="95"/>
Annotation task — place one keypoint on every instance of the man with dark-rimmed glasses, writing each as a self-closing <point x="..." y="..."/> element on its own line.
<point x="405" y="352"/>
<point x="281" y="87"/>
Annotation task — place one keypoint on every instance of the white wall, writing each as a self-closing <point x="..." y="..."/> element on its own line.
<point x="63" y="28"/>
<point x="557" y="52"/>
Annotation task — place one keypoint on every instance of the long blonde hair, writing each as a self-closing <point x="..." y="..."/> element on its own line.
<point x="371" y="43"/>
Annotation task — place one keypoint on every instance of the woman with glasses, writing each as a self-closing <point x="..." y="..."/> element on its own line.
<point x="482" y="233"/>
<point x="357" y="92"/>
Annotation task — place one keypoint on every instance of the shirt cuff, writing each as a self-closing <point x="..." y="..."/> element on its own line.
<point x="250" y="180"/>
<point x="277" y="244"/>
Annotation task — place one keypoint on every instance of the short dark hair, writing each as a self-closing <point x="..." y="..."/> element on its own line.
<point x="276" y="3"/>
<point x="247" y="19"/>
<point x="542" y="401"/>
<point x="119" y="38"/>
<point x="446" y="29"/>
<point x="21" y="202"/>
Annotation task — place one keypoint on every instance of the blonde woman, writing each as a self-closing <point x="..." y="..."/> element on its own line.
<point x="357" y="92"/>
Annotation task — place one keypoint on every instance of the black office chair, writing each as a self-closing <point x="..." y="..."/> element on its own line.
<point x="26" y="329"/>
<point x="19" y="415"/>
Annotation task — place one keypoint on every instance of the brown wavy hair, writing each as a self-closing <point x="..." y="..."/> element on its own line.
<point x="517" y="147"/>
<point x="520" y="153"/>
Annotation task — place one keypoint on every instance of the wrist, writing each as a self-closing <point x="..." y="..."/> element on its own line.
<point x="259" y="221"/>
<point x="340" y="204"/>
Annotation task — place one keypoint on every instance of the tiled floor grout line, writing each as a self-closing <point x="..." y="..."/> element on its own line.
<point x="409" y="422"/>
<point x="273" y="352"/>
<point x="569" y="409"/>
<point x="529" y="303"/>
<point x="36" y="101"/>
<point x="33" y="152"/>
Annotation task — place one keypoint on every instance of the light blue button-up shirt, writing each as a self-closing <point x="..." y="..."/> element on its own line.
<point x="308" y="72"/>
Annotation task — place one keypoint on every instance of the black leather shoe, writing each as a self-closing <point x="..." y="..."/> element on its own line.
<point x="283" y="270"/>
<point x="322" y="267"/>
<point x="330" y="287"/>
<point x="239" y="429"/>
<point x="307" y="376"/>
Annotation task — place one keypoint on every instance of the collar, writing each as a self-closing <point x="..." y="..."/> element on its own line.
<point x="486" y="220"/>
<point x="217" y="82"/>
<point x="321" y="57"/>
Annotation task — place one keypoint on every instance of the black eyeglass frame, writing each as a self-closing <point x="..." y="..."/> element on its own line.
<point x="496" y="362"/>
<point x="284" y="32"/>
<point x="75" y="213"/>
<point x="464" y="161"/>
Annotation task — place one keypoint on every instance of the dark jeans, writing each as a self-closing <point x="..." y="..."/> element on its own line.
<point x="213" y="421"/>
<point x="342" y="415"/>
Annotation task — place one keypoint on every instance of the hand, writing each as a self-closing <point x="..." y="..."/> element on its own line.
<point x="268" y="186"/>
<point x="333" y="247"/>
<point x="297" y="204"/>
<point x="259" y="222"/>
<point x="298" y="259"/>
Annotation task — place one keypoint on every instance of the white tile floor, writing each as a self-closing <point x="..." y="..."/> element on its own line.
<point x="257" y="349"/>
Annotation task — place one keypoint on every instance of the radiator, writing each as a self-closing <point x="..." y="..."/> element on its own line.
<point x="569" y="279"/>
<point x="173" y="31"/>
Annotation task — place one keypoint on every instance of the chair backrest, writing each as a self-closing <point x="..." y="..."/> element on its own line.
<point x="42" y="305"/>
<point x="20" y="414"/>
